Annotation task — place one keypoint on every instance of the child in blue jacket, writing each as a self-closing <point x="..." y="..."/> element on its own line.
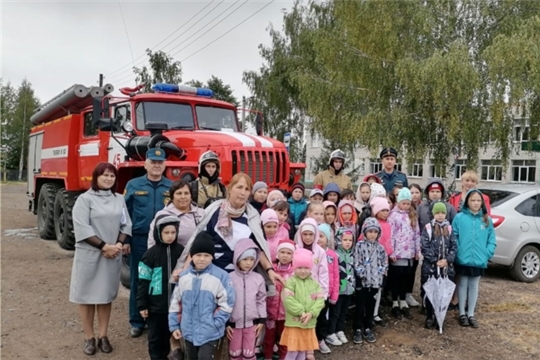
<point x="475" y="237"/>
<point x="202" y="301"/>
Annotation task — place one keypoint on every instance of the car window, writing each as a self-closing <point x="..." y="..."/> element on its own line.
<point x="529" y="207"/>
<point x="498" y="197"/>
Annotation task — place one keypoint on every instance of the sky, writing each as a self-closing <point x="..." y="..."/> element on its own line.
<point x="57" y="44"/>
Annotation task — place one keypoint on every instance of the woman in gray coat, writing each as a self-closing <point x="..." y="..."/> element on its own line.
<point x="102" y="224"/>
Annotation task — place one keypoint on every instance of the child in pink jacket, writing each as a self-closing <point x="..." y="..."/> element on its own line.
<point x="248" y="316"/>
<point x="275" y="323"/>
<point x="270" y="224"/>
<point x="326" y="241"/>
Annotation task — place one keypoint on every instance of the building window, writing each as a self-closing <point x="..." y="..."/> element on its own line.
<point x="437" y="171"/>
<point x="416" y="170"/>
<point x="375" y="166"/>
<point x="524" y="171"/>
<point x="460" y="168"/>
<point x="315" y="141"/>
<point x="491" y="170"/>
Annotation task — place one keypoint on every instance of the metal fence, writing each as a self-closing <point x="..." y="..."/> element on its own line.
<point x="12" y="175"/>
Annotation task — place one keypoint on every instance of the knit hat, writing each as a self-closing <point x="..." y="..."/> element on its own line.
<point x="404" y="195"/>
<point x="203" y="243"/>
<point x="286" y="244"/>
<point x="434" y="186"/>
<point x="315" y="192"/>
<point x="327" y="231"/>
<point x="377" y="190"/>
<point x="308" y="227"/>
<point x="438" y="207"/>
<point x="271" y="195"/>
<point x="371" y="224"/>
<point x="269" y="215"/>
<point x="331" y="187"/>
<point x="248" y="253"/>
<point x="299" y="186"/>
<point x="302" y="258"/>
<point x="379" y="204"/>
<point x="258" y="186"/>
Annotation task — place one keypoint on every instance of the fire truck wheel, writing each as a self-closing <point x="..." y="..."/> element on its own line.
<point x="45" y="211"/>
<point x="125" y="277"/>
<point x="63" y="219"/>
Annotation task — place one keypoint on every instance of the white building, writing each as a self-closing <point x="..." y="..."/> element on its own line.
<point x="523" y="166"/>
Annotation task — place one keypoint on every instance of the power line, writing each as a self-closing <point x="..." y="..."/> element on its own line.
<point x="127" y="33"/>
<point x="204" y="33"/>
<point x="221" y="36"/>
<point x="171" y="34"/>
<point x="231" y="29"/>
<point x="200" y="36"/>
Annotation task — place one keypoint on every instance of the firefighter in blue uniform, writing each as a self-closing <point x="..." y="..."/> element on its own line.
<point x="145" y="196"/>
<point x="389" y="176"/>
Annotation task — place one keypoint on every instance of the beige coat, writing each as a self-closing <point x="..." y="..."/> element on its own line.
<point x="328" y="176"/>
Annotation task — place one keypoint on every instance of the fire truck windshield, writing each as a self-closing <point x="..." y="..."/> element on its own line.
<point x="175" y="115"/>
<point x="214" y="118"/>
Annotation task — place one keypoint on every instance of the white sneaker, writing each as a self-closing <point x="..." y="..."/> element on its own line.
<point x="323" y="348"/>
<point x="333" y="340"/>
<point x="341" y="336"/>
<point x="411" y="301"/>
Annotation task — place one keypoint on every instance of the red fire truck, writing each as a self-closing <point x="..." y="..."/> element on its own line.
<point x="84" y="126"/>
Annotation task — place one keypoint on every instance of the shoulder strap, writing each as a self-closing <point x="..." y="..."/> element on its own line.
<point x="195" y="191"/>
<point x="223" y="189"/>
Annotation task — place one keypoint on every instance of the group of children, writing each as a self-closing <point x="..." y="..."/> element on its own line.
<point x="345" y="250"/>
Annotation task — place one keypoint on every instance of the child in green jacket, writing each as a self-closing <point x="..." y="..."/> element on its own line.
<point x="303" y="300"/>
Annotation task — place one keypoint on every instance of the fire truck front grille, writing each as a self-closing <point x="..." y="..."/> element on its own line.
<point x="267" y="166"/>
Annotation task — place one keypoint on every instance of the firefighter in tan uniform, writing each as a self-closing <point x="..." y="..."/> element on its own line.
<point x="207" y="188"/>
<point x="334" y="174"/>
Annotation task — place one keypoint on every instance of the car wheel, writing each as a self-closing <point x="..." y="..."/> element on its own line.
<point x="125" y="276"/>
<point x="526" y="266"/>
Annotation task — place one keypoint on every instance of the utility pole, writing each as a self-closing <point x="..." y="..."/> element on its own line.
<point x="100" y="80"/>
<point x="23" y="138"/>
<point x="243" y="114"/>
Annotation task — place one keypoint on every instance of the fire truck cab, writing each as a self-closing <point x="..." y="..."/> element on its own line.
<point x="84" y="126"/>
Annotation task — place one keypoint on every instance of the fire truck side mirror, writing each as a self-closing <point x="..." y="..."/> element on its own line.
<point x="100" y="109"/>
<point x="105" y="124"/>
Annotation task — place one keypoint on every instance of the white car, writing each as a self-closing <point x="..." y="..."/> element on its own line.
<point x="515" y="211"/>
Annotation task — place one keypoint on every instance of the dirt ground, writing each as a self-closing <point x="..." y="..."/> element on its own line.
<point x="38" y="321"/>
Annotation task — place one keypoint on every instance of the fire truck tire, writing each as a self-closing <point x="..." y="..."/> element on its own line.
<point x="45" y="211"/>
<point x="63" y="219"/>
<point x="125" y="276"/>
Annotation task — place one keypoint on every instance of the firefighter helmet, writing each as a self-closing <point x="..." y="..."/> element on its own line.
<point x="209" y="156"/>
<point x="336" y="154"/>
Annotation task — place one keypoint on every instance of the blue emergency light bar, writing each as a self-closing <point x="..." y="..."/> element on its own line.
<point x="182" y="89"/>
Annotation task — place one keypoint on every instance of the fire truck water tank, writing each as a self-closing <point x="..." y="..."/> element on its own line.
<point x="137" y="146"/>
<point x="72" y="100"/>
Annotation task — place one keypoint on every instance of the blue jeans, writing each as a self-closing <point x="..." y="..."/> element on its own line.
<point x="138" y="248"/>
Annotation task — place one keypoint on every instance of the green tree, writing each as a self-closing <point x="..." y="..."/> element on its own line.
<point x="161" y="69"/>
<point x="17" y="107"/>
<point x="320" y="163"/>
<point x="221" y="90"/>
<point x="429" y="77"/>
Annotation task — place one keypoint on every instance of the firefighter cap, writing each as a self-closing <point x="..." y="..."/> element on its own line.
<point x="156" y="154"/>
<point x="389" y="151"/>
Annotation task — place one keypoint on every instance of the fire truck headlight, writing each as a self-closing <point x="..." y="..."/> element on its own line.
<point x="175" y="172"/>
<point x="297" y="172"/>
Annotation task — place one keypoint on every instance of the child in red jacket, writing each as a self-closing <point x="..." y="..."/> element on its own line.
<point x="275" y="322"/>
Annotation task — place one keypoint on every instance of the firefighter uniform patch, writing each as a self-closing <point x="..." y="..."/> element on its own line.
<point x="139" y="193"/>
<point x="166" y="201"/>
